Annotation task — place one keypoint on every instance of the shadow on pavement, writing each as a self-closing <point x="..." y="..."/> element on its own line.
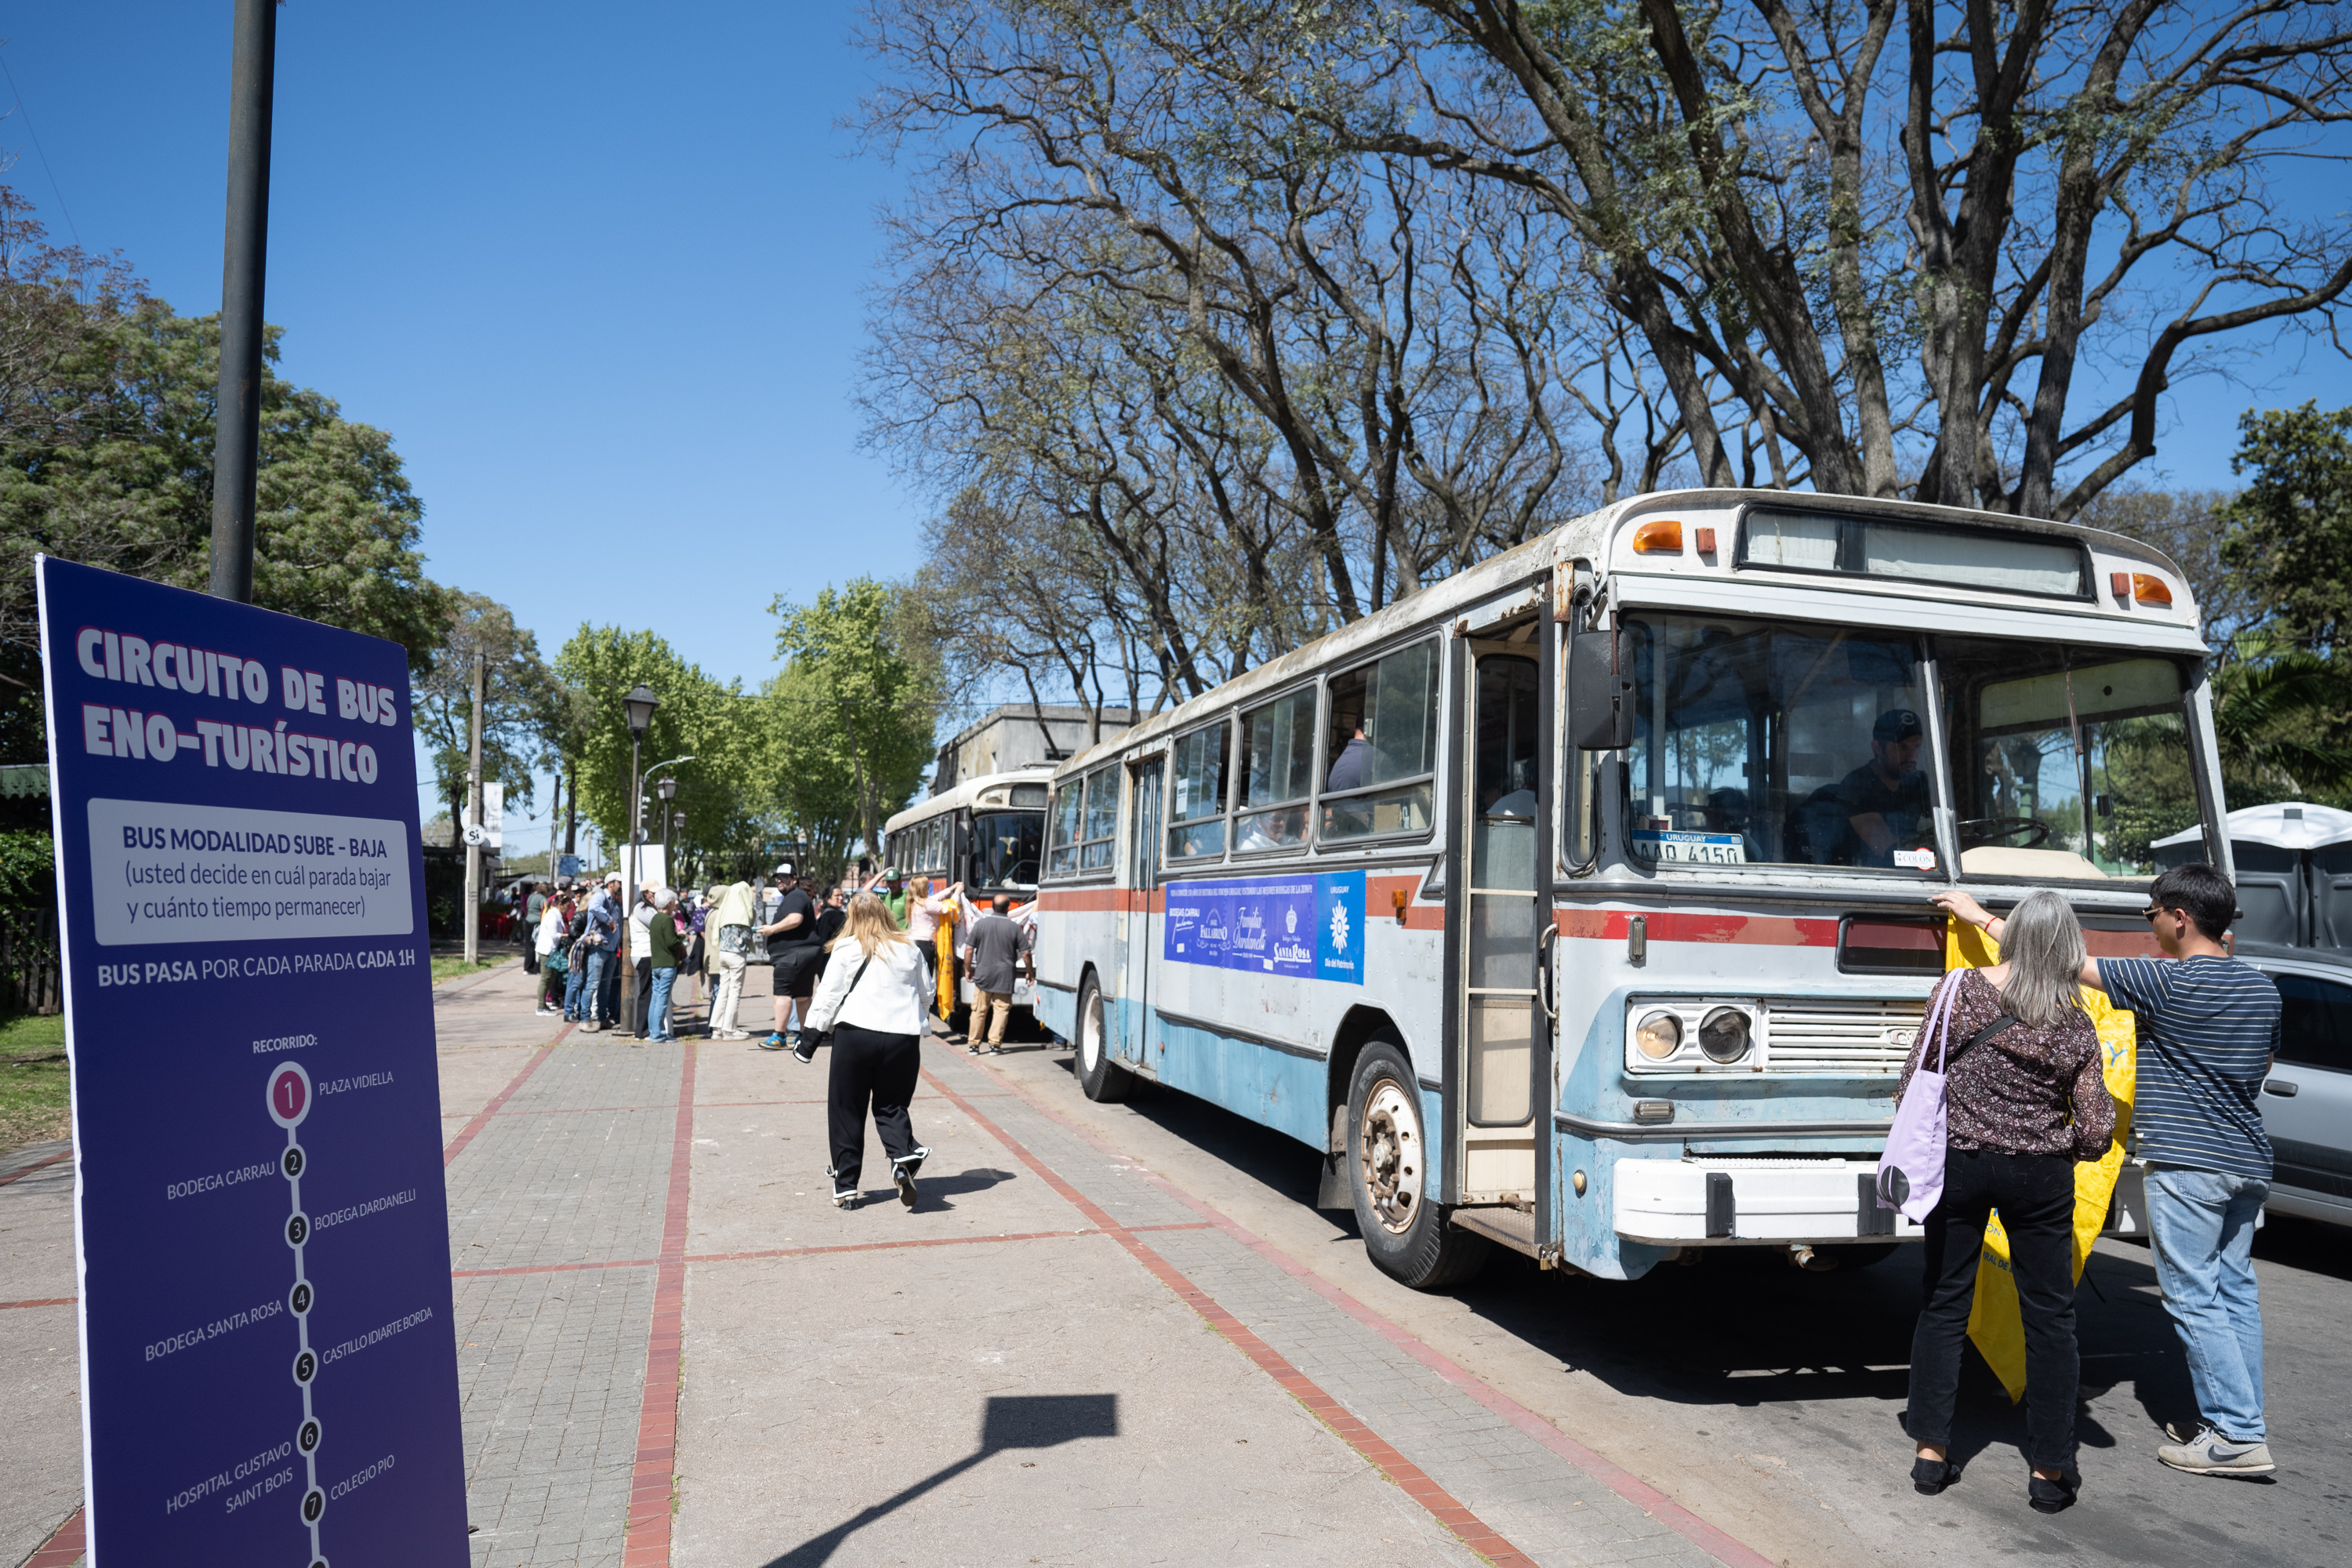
<point x="1009" y="1422"/>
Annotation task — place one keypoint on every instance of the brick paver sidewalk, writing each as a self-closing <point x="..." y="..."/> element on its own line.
<point x="674" y="1349"/>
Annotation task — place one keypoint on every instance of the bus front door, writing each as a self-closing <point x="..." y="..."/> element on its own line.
<point x="1500" y="1010"/>
<point x="1145" y="780"/>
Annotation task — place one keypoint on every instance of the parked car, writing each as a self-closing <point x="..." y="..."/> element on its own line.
<point x="2307" y="1098"/>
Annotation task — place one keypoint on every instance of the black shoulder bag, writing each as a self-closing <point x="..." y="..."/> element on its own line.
<point x="824" y="1036"/>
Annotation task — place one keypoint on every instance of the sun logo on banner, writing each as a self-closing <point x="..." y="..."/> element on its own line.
<point x="1340" y="927"/>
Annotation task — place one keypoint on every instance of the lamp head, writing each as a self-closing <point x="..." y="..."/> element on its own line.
<point x="641" y="703"/>
<point x="667" y="788"/>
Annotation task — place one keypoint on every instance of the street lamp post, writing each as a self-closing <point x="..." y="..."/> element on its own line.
<point x="640" y="704"/>
<point x="668" y="790"/>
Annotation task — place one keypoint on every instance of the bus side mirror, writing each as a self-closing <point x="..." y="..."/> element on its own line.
<point x="1601" y="692"/>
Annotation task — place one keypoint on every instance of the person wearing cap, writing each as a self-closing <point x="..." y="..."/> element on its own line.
<point x="641" y="921"/>
<point x="893" y="894"/>
<point x="790" y="930"/>
<point x="1885" y="799"/>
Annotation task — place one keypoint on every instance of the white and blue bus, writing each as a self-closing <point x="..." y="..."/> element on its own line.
<point x="1579" y="903"/>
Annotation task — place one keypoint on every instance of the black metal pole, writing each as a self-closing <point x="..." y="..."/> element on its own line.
<point x="236" y="431"/>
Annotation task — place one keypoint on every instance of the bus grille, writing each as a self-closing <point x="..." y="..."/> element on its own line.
<point x="1815" y="1035"/>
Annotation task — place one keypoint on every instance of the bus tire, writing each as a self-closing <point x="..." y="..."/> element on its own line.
<point x="1405" y="1233"/>
<point x="1105" y="1081"/>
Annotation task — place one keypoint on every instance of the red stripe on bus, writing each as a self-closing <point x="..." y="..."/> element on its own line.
<point x="1744" y="931"/>
<point x="1100" y="900"/>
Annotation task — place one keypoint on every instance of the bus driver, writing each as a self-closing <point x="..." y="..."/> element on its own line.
<point x="1885" y="801"/>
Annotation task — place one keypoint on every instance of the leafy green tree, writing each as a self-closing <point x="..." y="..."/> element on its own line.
<point x="525" y="710"/>
<point x="724" y="792"/>
<point x="2290" y="530"/>
<point x="106" y="457"/>
<point x="864" y="696"/>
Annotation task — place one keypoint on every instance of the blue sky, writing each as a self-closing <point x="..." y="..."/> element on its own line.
<point x="598" y="269"/>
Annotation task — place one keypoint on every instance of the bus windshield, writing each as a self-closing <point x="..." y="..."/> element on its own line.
<point x="2069" y="760"/>
<point x="1766" y="742"/>
<point x="1005" y="848"/>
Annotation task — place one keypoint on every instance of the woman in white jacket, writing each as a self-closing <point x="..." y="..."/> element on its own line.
<point x="874" y="1000"/>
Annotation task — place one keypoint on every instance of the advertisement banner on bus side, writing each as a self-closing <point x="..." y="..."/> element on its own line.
<point x="1304" y="927"/>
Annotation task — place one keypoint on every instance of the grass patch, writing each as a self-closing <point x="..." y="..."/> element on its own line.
<point x="35" y="1087"/>
<point x="453" y="965"/>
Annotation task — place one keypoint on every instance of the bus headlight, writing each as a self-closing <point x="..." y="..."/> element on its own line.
<point x="1725" y="1035"/>
<point x="1659" y="1037"/>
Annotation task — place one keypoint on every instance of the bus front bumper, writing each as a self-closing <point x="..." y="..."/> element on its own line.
<point x="1734" y="1202"/>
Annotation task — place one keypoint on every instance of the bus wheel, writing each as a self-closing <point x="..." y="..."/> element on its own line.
<point x="1388" y="1153"/>
<point x="1103" y="1079"/>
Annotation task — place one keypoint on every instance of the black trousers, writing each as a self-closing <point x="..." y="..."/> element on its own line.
<point x="2035" y="1195"/>
<point x="643" y="1005"/>
<point x="879" y="1071"/>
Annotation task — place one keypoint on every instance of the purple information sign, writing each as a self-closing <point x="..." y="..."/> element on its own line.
<point x="269" y="1366"/>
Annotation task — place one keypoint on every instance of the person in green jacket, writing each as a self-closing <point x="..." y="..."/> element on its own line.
<point x="663" y="947"/>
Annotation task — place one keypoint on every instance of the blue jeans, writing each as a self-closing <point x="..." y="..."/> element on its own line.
<point x="2203" y="1224"/>
<point x="581" y="991"/>
<point x="657" y="1010"/>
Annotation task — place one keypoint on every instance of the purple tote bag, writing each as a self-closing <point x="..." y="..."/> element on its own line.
<point x="1911" y="1172"/>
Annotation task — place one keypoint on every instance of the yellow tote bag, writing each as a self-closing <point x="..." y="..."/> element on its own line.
<point x="1994" y="1322"/>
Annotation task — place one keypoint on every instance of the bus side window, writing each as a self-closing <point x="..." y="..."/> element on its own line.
<point x="1062" y="860"/>
<point x="1197" y="819"/>
<point x="1277" y="773"/>
<point x="1100" y="824"/>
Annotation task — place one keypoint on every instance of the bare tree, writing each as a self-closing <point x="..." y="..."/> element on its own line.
<point x="1898" y="235"/>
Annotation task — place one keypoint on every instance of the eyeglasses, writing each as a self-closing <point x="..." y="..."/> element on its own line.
<point x="2149" y="913"/>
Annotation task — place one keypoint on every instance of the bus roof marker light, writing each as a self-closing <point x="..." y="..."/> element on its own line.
<point x="2120" y="584"/>
<point x="1659" y="536"/>
<point x="2151" y="590"/>
<point x="1704" y="540"/>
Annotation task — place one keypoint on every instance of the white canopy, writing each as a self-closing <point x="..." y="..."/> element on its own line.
<point x="2290" y="824"/>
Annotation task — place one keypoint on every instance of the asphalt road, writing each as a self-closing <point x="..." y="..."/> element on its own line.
<point x="1769" y="1400"/>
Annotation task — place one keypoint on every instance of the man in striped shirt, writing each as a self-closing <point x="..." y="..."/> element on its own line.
<point x="2206" y="1027"/>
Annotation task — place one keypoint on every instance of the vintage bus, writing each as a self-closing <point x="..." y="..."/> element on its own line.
<point x="1579" y="903"/>
<point x="986" y="832"/>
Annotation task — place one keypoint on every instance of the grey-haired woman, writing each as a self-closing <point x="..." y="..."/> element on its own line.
<point x="2026" y="1098"/>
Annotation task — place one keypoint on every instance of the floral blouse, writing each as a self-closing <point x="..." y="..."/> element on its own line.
<point x="2025" y="1090"/>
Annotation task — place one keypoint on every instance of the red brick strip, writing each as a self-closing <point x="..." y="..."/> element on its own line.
<point x="646" y="1543"/>
<point x="45" y="1301"/>
<point x="62" y="1549"/>
<point x="482" y="1117"/>
<point x="36" y="1165"/>
<point x="1651" y="1500"/>
<point x="1443" y="1506"/>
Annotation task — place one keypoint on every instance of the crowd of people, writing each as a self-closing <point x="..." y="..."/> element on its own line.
<point x="683" y="948"/>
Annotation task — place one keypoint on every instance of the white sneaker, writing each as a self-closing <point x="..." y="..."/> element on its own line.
<point x="2210" y="1453"/>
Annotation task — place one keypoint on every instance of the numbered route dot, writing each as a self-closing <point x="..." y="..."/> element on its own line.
<point x="298" y="1229"/>
<point x="300" y="1298"/>
<point x="291" y="1163"/>
<point x="307" y="1439"/>
<point x="314" y="1503"/>
<point x="306" y="1367"/>
<point x="290" y="1094"/>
